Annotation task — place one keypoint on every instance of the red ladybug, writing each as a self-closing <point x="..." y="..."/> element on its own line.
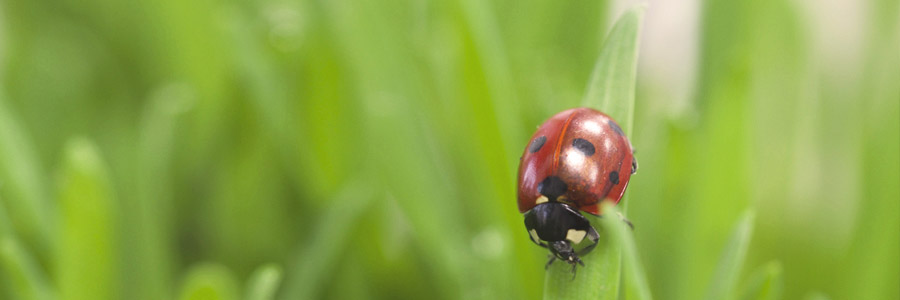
<point x="576" y="159"/>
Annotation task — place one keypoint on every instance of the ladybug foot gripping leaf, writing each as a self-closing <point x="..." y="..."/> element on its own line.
<point x="625" y="220"/>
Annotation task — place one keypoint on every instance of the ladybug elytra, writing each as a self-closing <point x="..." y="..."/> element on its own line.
<point x="575" y="160"/>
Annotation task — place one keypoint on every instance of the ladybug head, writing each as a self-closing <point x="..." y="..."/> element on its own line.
<point x="558" y="226"/>
<point x="563" y="251"/>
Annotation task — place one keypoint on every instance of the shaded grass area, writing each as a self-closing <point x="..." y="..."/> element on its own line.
<point x="367" y="149"/>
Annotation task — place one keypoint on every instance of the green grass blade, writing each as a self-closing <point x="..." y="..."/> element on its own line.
<point x="21" y="273"/>
<point x="611" y="90"/>
<point x="209" y="282"/>
<point x="312" y="264"/>
<point x="264" y="283"/>
<point x="480" y="17"/>
<point x="764" y="284"/>
<point x="147" y="220"/>
<point x="635" y="277"/>
<point x="22" y="189"/>
<point x="732" y="260"/>
<point x="87" y="264"/>
<point x="613" y="81"/>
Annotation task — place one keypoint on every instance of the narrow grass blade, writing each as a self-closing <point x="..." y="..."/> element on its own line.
<point x="147" y="214"/>
<point x="269" y="90"/>
<point x="612" y="83"/>
<point x="726" y="275"/>
<point x="312" y="264"/>
<point x="87" y="263"/>
<point x="635" y="277"/>
<point x="764" y="284"/>
<point x="21" y="273"/>
<point x="21" y="184"/>
<point x="209" y="281"/>
<point x="494" y="61"/>
<point x="264" y="283"/>
<point x="611" y="89"/>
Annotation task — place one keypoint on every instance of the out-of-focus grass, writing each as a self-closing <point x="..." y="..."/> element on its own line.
<point x="28" y="213"/>
<point x="209" y="281"/>
<point x="263" y="283"/>
<point x="764" y="283"/>
<point x="215" y="138"/>
<point x="22" y="277"/>
<point x="88" y="227"/>
<point x="724" y="280"/>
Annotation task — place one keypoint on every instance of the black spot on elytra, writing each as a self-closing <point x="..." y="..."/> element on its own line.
<point x="552" y="187"/>
<point x="614" y="177"/>
<point x="584" y="146"/>
<point x="537" y="143"/>
<point x="615" y="127"/>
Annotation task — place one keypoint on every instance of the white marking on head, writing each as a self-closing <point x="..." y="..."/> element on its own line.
<point x="540" y="200"/>
<point x="575" y="236"/>
<point x="534" y="235"/>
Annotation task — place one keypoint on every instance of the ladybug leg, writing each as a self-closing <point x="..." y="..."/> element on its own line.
<point x="622" y="217"/>
<point x="539" y="243"/>
<point x="550" y="262"/>
<point x="634" y="165"/>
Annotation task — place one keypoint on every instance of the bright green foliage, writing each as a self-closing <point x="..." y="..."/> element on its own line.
<point x="22" y="277"/>
<point x="22" y="180"/>
<point x="765" y="283"/>
<point x="168" y="149"/>
<point x="209" y="282"/>
<point x="732" y="260"/>
<point x="263" y="283"/>
<point x="89" y="265"/>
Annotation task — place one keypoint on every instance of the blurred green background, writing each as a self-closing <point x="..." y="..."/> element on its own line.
<point x="165" y="149"/>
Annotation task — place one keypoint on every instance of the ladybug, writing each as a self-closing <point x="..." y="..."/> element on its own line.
<point x="575" y="160"/>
